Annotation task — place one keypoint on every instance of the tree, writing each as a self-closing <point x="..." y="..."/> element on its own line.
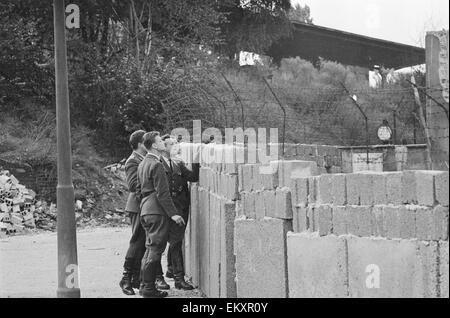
<point x="300" y="14"/>
<point x="253" y="25"/>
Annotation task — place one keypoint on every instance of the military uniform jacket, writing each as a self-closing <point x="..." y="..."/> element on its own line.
<point x="179" y="175"/>
<point x="153" y="188"/>
<point x="131" y="167"/>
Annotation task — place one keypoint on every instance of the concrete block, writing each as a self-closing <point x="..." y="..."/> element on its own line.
<point x="317" y="266"/>
<point x="391" y="268"/>
<point x="300" y="219"/>
<point x="324" y="189"/>
<point x="378" y="228"/>
<point x="293" y="169"/>
<point x="260" y="208"/>
<point x="246" y="178"/>
<point x="324" y="215"/>
<point x="340" y="220"/>
<point x="339" y="189"/>
<point x="261" y="258"/>
<point x="312" y="190"/>
<point x="432" y="223"/>
<point x="248" y="204"/>
<point x="194" y="242"/>
<point x="425" y="187"/>
<point x="214" y="246"/>
<point x="299" y="191"/>
<point x="227" y="262"/>
<point x="359" y="188"/>
<point x="283" y="205"/>
<point x="441" y="188"/>
<point x="407" y="222"/>
<point x="391" y="222"/>
<point x="203" y="238"/>
<point x="394" y="188"/>
<point x="268" y="177"/>
<point x="443" y="269"/>
<point x="379" y="189"/>
<point x="418" y="187"/>
<point x="269" y="202"/>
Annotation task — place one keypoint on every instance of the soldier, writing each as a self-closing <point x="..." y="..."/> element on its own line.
<point x="136" y="248"/>
<point x="179" y="176"/>
<point x="157" y="212"/>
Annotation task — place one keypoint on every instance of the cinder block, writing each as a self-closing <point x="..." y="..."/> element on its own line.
<point x="407" y="222"/>
<point x="283" y="205"/>
<point x="391" y="222"/>
<point x="261" y="258"/>
<point x="268" y="176"/>
<point x="432" y="223"/>
<point x="340" y="220"/>
<point x="245" y="178"/>
<point x="441" y="187"/>
<point x="418" y="187"/>
<point x="359" y="188"/>
<point x="204" y="240"/>
<point x="317" y="266"/>
<point x="227" y="262"/>
<point x="214" y="246"/>
<point x="312" y="190"/>
<point x="324" y="189"/>
<point x="260" y="208"/>
<point x="443" y="269"/>
<point x="269" y="203"/>
<point x="248" y="204"/>
<point x="382" y="268"/>
<point x="425" y="187"/>
<point x="324" y="215"/>
<point x="378" y="228"/>
<point x="293" y="169"/>
<point x="379" y="189"/>
<point x="300" y="219"/>
<point x="394" y="187"/>
<point x="299" y="191"/>
<point x="339" y="189"/>
<point x="194" y="219"/>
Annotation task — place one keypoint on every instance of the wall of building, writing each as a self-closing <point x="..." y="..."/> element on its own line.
<point x="285" y="230"/>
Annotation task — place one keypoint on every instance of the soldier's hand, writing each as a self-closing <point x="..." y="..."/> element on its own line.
<point x="178" y="220"/>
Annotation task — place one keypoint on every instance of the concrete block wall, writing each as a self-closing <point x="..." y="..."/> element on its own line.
<point x="284" y="230"/>
<point x="370" y="235"/>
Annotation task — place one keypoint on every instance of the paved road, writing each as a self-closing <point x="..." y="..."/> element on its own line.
<point x="28" y="265"/>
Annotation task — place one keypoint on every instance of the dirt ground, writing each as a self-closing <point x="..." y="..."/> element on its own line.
<point x="28" y="265"/>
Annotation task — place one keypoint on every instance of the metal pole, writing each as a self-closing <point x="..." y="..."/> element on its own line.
<point x="66" y="225"/>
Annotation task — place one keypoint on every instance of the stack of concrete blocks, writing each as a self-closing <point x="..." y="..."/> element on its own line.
<point x="370" y="235"/>
<point x="264" y="216"/>
<point x="327" y="158"/>
<point x="209" y="252"/>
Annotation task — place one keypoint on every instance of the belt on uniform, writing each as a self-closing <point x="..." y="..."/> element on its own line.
<point x="146" y="194"/>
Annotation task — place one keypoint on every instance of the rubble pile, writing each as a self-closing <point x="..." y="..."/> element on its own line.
<point x="19" y="209"/>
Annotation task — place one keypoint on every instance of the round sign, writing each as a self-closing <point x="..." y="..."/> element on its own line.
<point x="384" y="133"/>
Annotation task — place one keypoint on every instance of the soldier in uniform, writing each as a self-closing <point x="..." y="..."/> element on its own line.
<point x="157" y="213"/>
<point x="136" y="248"/>
<point x="179" y="175"/>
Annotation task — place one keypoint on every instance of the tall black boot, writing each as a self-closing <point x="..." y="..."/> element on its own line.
<point x="160" y="282"/>
<point x="178" y="268"/>
<point x="136" y="275"/>
<point x="149" y="290"/>
<point x="125" y="282"/>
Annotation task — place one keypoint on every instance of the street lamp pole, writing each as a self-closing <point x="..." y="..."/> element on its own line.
<point x="66" y="225"/>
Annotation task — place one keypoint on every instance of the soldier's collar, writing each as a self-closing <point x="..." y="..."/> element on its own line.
<point x="153" y="155"/>
<point x="139" y="155"/>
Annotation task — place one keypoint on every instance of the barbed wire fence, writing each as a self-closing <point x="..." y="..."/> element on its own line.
<point x="310" y="115"/>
